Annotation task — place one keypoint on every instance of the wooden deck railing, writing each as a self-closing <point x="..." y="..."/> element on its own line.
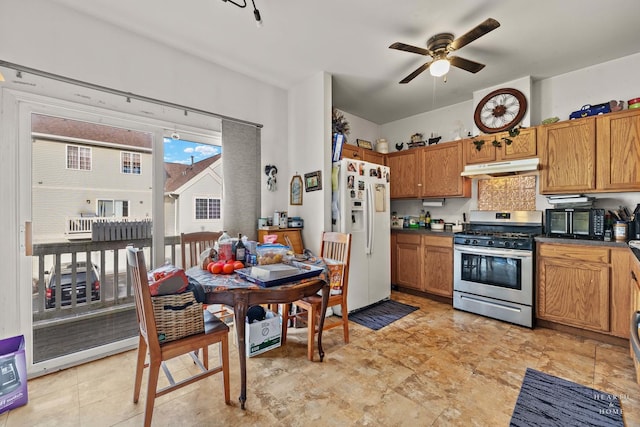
<point x="115" y="283"/>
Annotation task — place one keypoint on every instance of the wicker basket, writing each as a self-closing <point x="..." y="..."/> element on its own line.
<point x="177" y="316"/>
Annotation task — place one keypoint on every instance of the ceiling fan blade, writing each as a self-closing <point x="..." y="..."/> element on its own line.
<point x="489" y="25"/>
<point x="465" y="64"/>
<point x="409" y="48"/>
<point x="416" y="72"/>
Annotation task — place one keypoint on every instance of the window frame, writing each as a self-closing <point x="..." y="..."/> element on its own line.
<point x="131" y="161"/>
<point x="78" y="158"/>
<point x="209" y="212"/>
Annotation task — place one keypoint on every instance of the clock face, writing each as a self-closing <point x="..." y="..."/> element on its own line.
<point x="500" y="110"/>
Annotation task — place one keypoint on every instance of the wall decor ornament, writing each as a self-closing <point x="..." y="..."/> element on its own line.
<point x="271" y="172"/>
<point x="313" y="181"/>
<point x="295" y="190"/>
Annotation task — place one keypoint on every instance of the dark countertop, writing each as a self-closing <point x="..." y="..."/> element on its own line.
<point x="422" y="231"/>
<point x="611" y="244"/>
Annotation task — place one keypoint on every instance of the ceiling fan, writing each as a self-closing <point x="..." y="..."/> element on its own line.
<point x="440" y="45"/>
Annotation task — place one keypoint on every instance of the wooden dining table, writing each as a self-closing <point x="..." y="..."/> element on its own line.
<point x="239" y="293"/>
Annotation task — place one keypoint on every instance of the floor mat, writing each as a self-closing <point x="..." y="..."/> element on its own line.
<point x="381" y="314"/>
<point x="546" y="400"/>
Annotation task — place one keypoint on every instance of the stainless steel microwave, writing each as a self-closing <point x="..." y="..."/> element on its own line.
<point x="575" y="223"/>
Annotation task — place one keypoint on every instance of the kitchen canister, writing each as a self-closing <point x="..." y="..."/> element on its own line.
<point x="620" y="231"/>
<point x="382" y="146"/>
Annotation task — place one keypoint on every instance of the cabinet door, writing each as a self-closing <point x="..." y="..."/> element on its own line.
<point x="618" y="151"/>
<point x="572" y="291"/>
<point x="568" y="156"/>
<point x="408" y="261"/>
<point x="486" y="153"/>
<point x="373" y="157"/>
<point x="620" y="291"/>
<point x="522" y="146"/>
<point x="441" y="169"/>
<point x="403" y="170"/>
<point x="437" y="276"/>
<point x="352" y="152"/>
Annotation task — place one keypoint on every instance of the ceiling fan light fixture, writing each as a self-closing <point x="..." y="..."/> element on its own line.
<point x="439" y="67"/>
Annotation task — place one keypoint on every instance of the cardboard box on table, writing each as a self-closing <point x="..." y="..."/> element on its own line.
<point x="13" y="373"/>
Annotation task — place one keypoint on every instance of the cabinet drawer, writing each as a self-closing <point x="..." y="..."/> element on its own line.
<point x="440" y="241"/>
<point x="574" y="252"/>
<point x="412" y="239"/>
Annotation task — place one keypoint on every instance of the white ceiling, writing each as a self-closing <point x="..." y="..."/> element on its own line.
<point x="350" y="38"/>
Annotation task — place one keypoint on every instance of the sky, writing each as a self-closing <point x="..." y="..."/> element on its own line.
<point x="180" y="151"/>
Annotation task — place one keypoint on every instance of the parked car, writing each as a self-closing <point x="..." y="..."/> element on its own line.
<point x="66" y="282"/>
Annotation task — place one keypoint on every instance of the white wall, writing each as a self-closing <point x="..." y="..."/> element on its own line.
<point x="556" y="96"/>
<point x="360" y="128"/>
<point x="44" y="35"/>
<point x="310" y="151"/>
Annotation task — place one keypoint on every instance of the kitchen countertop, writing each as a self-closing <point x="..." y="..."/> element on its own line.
<point x="612" y="244"/>
<point x="422" y="231"/>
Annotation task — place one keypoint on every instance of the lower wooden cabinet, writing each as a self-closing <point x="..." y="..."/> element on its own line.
<point x="437" y="272"/>
<point x="423" y="262"/>
<point x="294" y="235"/>
<point x="408" y="260"/>
<point x="584" y="286"/>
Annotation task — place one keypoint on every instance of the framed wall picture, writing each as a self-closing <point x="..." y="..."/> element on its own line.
<point x="313" y="181"/>
<point x="295" y="190"/>
<point x="364" y="144"/>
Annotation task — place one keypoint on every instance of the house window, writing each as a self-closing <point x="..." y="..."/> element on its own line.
<point x="119" y="208"/>
<point x="130" y="162"/>
<point x="207" y="208"/>
<point x="78" y="158"/>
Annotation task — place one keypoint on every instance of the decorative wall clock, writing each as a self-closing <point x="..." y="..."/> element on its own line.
<point x="500" y="110"/>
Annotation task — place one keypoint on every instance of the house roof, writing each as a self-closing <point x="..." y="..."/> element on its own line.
<point x="178" y="174"/>
<point x="67" y="128"/>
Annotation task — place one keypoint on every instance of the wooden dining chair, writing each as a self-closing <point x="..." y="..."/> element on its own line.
<point x="335" y="247"/>
<point x="193" y="244"/>
<point x="216" y="331"/>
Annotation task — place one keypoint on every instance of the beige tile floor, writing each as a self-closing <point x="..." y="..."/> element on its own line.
<point x="435" y="367"/>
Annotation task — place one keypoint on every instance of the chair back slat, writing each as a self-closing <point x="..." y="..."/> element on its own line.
<point x="193" y="244"/>
<point x="337" y="246"/>
<point x="144" y="307"/>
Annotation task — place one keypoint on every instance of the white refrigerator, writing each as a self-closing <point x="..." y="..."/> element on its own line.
<point x="360" y="206"/>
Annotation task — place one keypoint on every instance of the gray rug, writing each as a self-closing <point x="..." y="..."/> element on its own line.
<point x="546" y="400"/>
<point x="381" y="314"/>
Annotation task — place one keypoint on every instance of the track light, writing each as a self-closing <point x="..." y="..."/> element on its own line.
<point x="256" y="12"/>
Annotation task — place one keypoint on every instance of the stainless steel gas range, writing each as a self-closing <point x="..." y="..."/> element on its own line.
<point x="494" y="265"/>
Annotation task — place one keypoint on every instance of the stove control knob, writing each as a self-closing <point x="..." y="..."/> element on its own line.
<point x="490" y="243"/>
<point x="507" y="244"/>
<point x="467" y="241"/>
<point x="475" y="242"/>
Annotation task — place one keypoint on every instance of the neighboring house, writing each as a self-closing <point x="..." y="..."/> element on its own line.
<point x="84" y="170"/>
<point x="193" y="196"/>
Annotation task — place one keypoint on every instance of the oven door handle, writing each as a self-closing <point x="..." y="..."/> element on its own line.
<point x="510" y="253"/>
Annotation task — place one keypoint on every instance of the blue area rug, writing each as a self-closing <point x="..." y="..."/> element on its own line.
<point x="381" y="314"/>
<point x="545" y="400"/>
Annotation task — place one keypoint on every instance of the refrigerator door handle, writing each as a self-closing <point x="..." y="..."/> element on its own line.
<point x="369" y="222"/>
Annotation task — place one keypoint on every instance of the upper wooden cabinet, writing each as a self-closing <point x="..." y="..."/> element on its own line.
<point x="568" y="156"/>
<point x="403" y="174"/>
<point x="618" y="142"/>
<point x="359" y="153"/>
<point x="428" y="172"/>
<point x="522" y="146"/>
<point x="441" y="168"/>
<point x="591" y="155"/>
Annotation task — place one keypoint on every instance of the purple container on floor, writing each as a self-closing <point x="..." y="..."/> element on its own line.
<point x="13" y="373"/>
